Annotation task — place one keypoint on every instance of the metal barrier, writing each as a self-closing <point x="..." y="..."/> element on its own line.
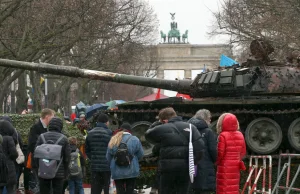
<point x="257" y="174"/>
<point x="288" y="188"/>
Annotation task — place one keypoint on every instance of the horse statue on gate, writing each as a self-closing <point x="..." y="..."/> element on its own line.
<point x="185" y="36"/>
<point x="163" y="36"/>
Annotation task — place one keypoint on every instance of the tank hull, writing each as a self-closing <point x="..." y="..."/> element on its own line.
<point x="270" y="124"/>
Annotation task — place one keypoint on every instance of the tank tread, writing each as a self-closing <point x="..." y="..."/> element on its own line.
<point x="237" y="111"/>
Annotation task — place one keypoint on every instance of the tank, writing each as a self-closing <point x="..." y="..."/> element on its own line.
<point x="262" y="93"/>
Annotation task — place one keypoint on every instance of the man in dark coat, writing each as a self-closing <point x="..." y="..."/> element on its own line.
<point x="10" y="151"/>
<point x="205" y="181"/>
<point x="55" y="132"/>
<point x="173" y="137"/>
<point x="38" y="128"/>
<point x="35" y="131"/>
<point x="96" y="147"/>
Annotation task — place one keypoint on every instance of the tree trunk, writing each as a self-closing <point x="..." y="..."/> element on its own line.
<point x="35" y="82"/>
<point x="21" y="94"/>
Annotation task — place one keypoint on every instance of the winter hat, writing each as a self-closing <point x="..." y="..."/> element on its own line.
<point x="102" y="118"/>
<point x="55" y="124"/>
<point x="126" y="126"/>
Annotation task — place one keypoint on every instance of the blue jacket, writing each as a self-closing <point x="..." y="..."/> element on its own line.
<point x="96" y="144"/>
<point x="135" y="149"/>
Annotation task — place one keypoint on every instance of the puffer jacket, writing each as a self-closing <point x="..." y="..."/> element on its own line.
<point x="206" y="174"/>
<point x="9" y="149"/>
<point x="173" y="138"/>
<point x="135" y="149"/>
<point x="53" y="136"/>
<point x="96" y="144"/>
<point x="231" y="150"/>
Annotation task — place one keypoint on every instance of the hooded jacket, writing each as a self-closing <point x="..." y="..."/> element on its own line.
<point x="53" y="135"/>
<point x="9" y="149"/>
<point x="173" y="138"/>
<point x="206" y="174"/>
<point x="96" y="144"/>
<point x="231" y="150"/>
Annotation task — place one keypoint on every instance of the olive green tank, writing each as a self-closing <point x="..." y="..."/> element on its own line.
<point x="262" y="93"/>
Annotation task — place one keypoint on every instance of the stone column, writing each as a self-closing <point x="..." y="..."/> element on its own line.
<point x="187" y="73"/>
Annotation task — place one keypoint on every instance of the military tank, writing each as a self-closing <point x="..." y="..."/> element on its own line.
<point x="264" y="94"/>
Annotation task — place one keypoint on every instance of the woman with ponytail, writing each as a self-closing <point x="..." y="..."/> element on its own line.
<point x="124" y="173"/>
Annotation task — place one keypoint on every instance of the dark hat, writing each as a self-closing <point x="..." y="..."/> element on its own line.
<point x="102" y="118"/>
<point x="56" y="124"/>
<point x="126" y="126"/>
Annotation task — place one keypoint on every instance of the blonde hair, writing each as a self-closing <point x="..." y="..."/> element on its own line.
<point x="220" y="121"/>
<point x="116" y="139"/>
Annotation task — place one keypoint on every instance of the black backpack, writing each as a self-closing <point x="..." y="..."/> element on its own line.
<point x="3" y="170"/>
<point x="122" y="156"/>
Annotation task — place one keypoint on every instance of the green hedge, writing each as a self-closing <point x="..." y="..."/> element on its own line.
<point x="23" y="124"/>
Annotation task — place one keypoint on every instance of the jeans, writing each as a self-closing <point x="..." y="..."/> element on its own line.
<point x="76" y="185"/>
<point x="45" y="186"/>
<point x="125" y="186"/>
<point x="174" y="183"/>
<point x="100" y="181"/>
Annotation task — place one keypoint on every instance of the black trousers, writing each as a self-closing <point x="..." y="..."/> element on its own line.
<point x="57" y="186"/>
<point x="100" y="181"/>
<point x="125" y="186"/>
<point x="174" y="183"/>
<point x="199" y="191"/>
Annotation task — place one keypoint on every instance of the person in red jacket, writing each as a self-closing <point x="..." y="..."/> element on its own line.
<point x="231" y="150"/>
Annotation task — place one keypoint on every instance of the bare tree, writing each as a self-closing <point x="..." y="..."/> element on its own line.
<point x="85" y="33"/>
<point x="245" y="20"/>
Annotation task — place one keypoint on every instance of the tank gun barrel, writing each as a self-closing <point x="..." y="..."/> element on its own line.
<point x="181" y="86"/>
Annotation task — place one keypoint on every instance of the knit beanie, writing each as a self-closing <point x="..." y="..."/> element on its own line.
<point x="102" y="118"/>
<point x="126" y="126"/>
<point x="55" y="124"/>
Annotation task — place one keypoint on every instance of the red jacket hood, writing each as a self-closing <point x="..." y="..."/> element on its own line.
<point x="230" y="123"/>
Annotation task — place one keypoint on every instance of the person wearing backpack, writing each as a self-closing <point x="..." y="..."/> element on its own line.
<point x="123" y="154"/>
<point x="11" y="154"/>
<point x="76" y="168"/>
<point x="96" y="146"/>
<point x="52" y="156"/>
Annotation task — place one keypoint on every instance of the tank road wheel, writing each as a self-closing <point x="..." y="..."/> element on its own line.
<point x="139" y="129"/>
<point x="263" y="135"/>
<point x="294" y="134"/>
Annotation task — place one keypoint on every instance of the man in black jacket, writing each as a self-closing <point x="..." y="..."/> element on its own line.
<point x="38" y="128"/>
<point x="55" y="129"/>
<point x="205" y="181"/>
<point x="35" y="131"/>
<point x="96" y="147"/>
<point x="173" y="136"/>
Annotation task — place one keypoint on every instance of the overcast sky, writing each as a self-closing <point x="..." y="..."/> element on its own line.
<point x="193" y="15"/>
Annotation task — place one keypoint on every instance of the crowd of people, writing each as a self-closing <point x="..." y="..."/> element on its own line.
<point x="52" y="162"/>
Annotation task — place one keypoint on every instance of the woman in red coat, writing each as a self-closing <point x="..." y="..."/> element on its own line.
<point x="231" y="150"/>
